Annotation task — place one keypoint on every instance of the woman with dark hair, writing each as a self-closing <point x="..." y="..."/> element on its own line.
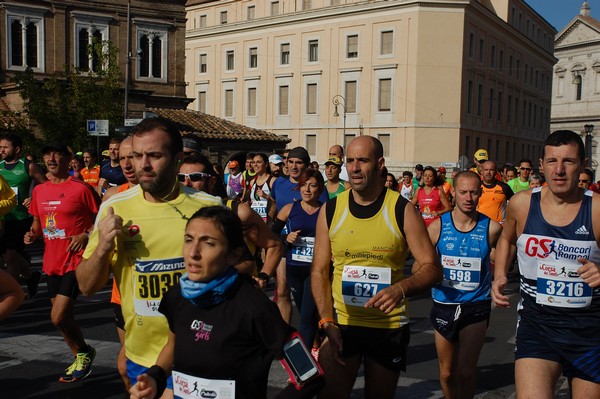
<point x="258" y="191"/>
<point x="391" y="182"/>
<point x="224" y="331"/>
<point x="431" y="198"/>
<point x="300" y="218"/>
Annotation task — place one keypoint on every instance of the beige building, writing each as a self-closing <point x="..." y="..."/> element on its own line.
<point x="576" y="78"/>
<point x="433" y="80"/>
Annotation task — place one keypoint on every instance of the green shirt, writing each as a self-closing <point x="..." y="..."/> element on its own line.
<point x="517" y="185"/>
<point x="17" y="177"/>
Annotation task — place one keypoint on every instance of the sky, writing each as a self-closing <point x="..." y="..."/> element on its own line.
<point x="560" y="12"/>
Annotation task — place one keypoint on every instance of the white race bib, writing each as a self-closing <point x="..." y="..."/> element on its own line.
<point x="461" y="272"/>
<point x="260" y="207"/>
<point x="560" y="285"/>
<point x="189" y="387"/>
<point x="361" y="283"/>
<point x="302" y="249"/>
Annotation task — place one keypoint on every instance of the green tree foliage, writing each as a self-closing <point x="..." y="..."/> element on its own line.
<point x="61" y="105"/>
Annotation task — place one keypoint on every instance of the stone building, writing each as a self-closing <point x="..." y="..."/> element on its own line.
<point x="433" y="80"/>
<point x="576" y="78"/>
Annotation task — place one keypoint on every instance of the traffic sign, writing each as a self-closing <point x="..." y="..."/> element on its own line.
<point x="97" y="127"/>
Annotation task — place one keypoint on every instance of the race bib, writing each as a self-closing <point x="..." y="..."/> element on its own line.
<point x="560" y="285"/>
<point x="260" y="207"/>
<point x="152" y="278"/>
<point x="16" y="191"/>
<point x="302" y="249"/>
<point x="461" y="272"/>
<point x="189" y="387"/>
<point x="361" y="283"/>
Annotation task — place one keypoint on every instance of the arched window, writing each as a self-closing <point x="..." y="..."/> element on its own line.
<point x="578" y="82"/>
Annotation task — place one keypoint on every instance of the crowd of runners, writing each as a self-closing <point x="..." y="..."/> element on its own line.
<point x="190" y="249"/>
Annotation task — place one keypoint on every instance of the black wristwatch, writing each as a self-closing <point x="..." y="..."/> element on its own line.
<point x="264" y="276"/>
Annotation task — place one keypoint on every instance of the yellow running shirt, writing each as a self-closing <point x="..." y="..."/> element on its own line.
<point x="369" y="255"/>
<point x="147" y="261"/>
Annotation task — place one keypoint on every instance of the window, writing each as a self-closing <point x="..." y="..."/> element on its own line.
<point x="385" y="95"/>
<point x="311" y="144"/>
<point x="501" y="59"/>
<point x="499" y="106"/>
<point x="202" y="21"/>
<point x="479" y="99"/>
<point x="352" y="46"/>
<point x="313" y="50"/>
<point x="252" y="101"/>
<point x="25" y="39"/>
<point x="311" y="98"/>
<point x="578" y="82"/>
<point x="202" y="101"/>
<point x="284" y="92"/>
<point x="203" y="66"/>
<point x="274" y="8"/>
<point x="229" y="60"/>
<point x="470" y="97"/>
<point x="510" y="65"/>
<point x="223" y="17"/>
<point x="481" y="50"/>
<point x="285" y="53"/>
<point x="491" y="105"/>
<point x="306" y="4"/>
<point x="385" y="142"/>
<point x="228" y="103"/>
<point x="493" y="56"/>
<point x="471" y="44"/>
<point x="350" y="95"/>
<point x="335" y="2"/>
<point x="152" y="46"/>
<point x="518" y="68"/>
<point x="509" y="109"/>
<point x="251" y="12"/>
<point x="89" y="48"/>
<point x="253" y="60"/>
<point x="387" y="42"/>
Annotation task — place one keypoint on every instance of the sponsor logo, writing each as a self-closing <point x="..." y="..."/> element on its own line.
<point x="543" y="248"/>
<point x="449" y="238"/>
<point x="573" y="274"/>
<point x="450" y="246"/>
<point x="362" y="255"/>
<point x="159" y="265"/>
<point x="208" y="394"/>
<point x="396" y="360"/>
<point x="466" y="264"/>
<point x="382" y="249"/>
<point x="373" y="276"/>
<point x="576" y="301"/>
<point x="202" y="329"/>
<point x="582" y="230"/>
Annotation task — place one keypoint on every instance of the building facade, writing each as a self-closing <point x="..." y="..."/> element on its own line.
<point x="576" y="78"/>
<point x="48" y="35"/>
<point x="433" y="80"/>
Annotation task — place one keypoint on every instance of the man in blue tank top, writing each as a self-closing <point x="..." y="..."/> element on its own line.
<point x="464" y="239"/>
<point x="556" y="232"/>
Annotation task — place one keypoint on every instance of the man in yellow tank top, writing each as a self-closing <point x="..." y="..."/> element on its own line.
<point x="368" y="231"/>
<point x="138" y="235"/>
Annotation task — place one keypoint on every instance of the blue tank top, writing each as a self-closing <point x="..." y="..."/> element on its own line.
<point x="300" y="253"/>
<point x="465" y="258"/>
<point x="551" y="290"/>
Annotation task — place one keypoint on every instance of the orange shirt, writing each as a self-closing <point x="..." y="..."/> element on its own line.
<point x="91" y="176"/>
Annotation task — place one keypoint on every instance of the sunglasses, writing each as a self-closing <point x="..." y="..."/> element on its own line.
<point x="583" y="181"/>
<point x="525" y="168"/>
<point x="196" y="176"/>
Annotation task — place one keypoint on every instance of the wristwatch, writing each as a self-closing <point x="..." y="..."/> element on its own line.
<point x="264" y="276"/>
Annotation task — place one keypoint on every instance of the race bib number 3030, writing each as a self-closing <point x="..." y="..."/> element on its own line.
<point x="361" y="283"/>
<point x="152" y="278"/>
<point x="559" y="284"/>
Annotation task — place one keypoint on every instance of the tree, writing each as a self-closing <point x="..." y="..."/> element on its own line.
<point x="61" y="105"/>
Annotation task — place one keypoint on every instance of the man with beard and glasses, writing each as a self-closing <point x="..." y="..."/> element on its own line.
<point x="139" y="236"/>
<point x="19" y="172"/>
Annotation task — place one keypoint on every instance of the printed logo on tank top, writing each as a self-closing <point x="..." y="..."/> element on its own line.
<point x="541" y="247"/>
<point x="202" y="330"/>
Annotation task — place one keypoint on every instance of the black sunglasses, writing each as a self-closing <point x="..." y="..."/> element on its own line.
<point x="196" y="176"/>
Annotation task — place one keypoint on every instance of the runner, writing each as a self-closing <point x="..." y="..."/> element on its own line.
<point x="521" y="182"/>
<point x="111" y="174"/>
<point x="91" y="172"/>
<point x="138" y="238"/>
<point x="431" y="198"/>
<point x="63" y="211"/>
<point x="407" y="189"/>
<point x="495" y="194"/>
<point x="368" y="231"/>
<point x="335" y="186"/>
<point x="258" y="191"/>
<point x="559" y="317"/>
<point x="461" y="309"/>
<point x="20" y="173"/>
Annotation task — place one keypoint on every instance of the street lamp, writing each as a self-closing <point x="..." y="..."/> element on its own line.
<point x="589" y="129"/>
<point x="341" y="101"/>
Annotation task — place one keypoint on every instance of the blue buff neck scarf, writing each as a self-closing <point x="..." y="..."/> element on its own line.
<point x="209" y="294"/>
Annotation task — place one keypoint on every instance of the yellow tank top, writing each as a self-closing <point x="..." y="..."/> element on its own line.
<point x="369" y="255"/>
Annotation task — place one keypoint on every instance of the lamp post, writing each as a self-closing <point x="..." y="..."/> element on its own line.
<point x="341" y="101"/>
<point x="589" y="130"/>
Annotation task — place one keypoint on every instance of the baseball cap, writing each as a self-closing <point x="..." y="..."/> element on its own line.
<point x="334" y="160"/>
<point x="442" y="169"/>
<point x="481" y="155"/>
<point x="300" y="153"/>
<point x="419" y="167"/>
<point x="191" y="144"/>
<point x="105" y="153"/>
<point x="233" y="164"/>
<point x="54" y="146"/>
<point x="275" y="159"/>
